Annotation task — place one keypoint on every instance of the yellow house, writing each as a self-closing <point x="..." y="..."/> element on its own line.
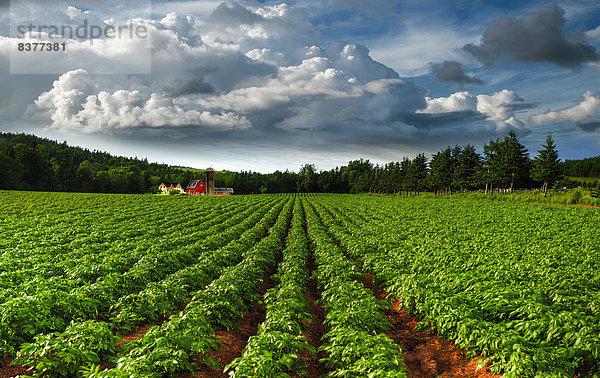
<point x="166" y="187"/>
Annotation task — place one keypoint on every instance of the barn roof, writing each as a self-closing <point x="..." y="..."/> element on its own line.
<point x="193" y="184"/>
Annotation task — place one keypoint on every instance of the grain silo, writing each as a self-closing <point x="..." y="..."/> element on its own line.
<point x="210" y="181"/>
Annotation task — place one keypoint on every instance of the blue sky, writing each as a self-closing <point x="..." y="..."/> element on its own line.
<point x="273" y="85"/>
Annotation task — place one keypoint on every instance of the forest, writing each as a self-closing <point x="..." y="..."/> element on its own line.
<point x="28" y="162"/>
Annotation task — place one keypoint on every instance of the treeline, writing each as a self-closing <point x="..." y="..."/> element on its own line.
<point x="28" y="162"/>
<point x="504" y="166"/>
<point x="31" y="163"/>
<point x="589" y="167"/>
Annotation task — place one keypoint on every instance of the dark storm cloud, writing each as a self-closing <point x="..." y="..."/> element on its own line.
<point x="520" y="106"/>
<point x="428" y="120"/>
<point x="537" y="37"/>
<point x="589" y="126"/>
<point x="194" y="86"/>
<point x="224" y="14"/>
<point x="204" y="70"/>
<point x="452" y="72"/>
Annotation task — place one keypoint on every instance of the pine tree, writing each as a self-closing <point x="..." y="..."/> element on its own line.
<point x="442" y="171"/>
<point x="546" y="167"/>
<point x="467" y="168"/>
<point x="492" y="171"/>
<point x="405" y="179"/>
<point x="417" y="173"/>
<point x="514" y="160"/>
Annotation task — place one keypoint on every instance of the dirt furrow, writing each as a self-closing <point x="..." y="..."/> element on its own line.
<point x="425" y="354"/>
<point x="316" y="329"/>
<point x="234" y="341"/>
<point x="8" y="371"/>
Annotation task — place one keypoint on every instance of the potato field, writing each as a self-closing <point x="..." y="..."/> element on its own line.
<point x="95" y="285"/>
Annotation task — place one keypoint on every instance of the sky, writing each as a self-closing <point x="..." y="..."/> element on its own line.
<point x="273" y="85"/>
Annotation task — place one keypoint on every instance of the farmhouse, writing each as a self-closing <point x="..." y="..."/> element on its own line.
<point x="166" y="187"/>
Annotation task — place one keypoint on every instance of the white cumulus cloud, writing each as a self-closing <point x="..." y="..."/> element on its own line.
<point x="246" y="66"/>
<point x="76" y="102"/>
<point x="456" y="102"/>
<point x="499" y="107"/>
<point x="594" y="33"/>
<point x="587" y="108"/>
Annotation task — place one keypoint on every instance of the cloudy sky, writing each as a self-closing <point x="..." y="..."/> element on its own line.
<point x="249" y="85"/>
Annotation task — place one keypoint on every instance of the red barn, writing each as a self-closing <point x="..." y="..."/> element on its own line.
<point x="196" y="188"/>
<point x="223" y="191"/>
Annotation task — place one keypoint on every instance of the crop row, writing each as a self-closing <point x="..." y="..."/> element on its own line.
<point x="51" y="309"/>
<point x="276" y="349"/>
<point x="96" y="220"/>
<point x="516" y="283"/>
<point x="505" y="284"/>
<point x="78" y="250"/>
<point x="356" y="344"/>
<point x="161" y="298"/>
<point x="172" y="346"/>
<point x="28" y="275"/>
<point x="180" y="337"/>
<point x="61" y="357"/>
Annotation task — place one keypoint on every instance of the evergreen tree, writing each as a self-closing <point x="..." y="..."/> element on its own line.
<point x="442" y="171"/>
<point x="468" y="168"/>
<point x="589" y="167"/>
<point x="405" y="175"/>
<point x="514" y="160"/>
<point x="417" y="173"/>
<point x="546" y="167"/>
<point x="492" y="166"/>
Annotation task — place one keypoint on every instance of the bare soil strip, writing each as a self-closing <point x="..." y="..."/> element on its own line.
<point x="425" y="354"/>
<point x="316" y="329"/>
<point x="137" y="333"/>
<point x="8" y="371"/>
<point x="588" y="206"/>
<point x="234" y="341"/>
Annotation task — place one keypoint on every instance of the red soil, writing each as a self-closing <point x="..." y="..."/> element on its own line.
<point x="425" y="354"/>
<point x="316" y="329"/>
<point x="8" y="371"/>
<point x="588" y="206"/>
<point x="234" y="341"/>
<point x="137" y="334"/>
